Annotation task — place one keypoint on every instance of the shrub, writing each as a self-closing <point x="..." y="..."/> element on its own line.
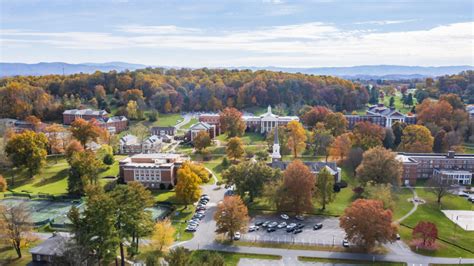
<point x="3" y="184"/>
<point x="225" y="162"/>
<point x="170" y="186"/>
<point x="358" y="191"/>
<point x="108" y="159"/>
<point x="162" y="186"/>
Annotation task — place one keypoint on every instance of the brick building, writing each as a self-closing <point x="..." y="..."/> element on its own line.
<point x="424" y="166"/>
<point x="87" y="114"/>
<point x="114" y="124"/>
<point x="151" y="169"/>
<point x="201" y="126"/>
<point x="211" y="119"/>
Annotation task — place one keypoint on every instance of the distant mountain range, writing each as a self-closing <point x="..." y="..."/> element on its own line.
<point x="353" y="72"/>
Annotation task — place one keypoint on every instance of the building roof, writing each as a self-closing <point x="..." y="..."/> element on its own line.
<point x="129" y="139"/>
<point x="153" y="139"/>
<point x="412" y="157"/>
<point x="201" y="126"/>
<point x="454" y="172"/>
<point x="163" y="128"/>
<point x="314" y="167"/>
<point x="85" y="112"/>
<point x="54" y="245"/>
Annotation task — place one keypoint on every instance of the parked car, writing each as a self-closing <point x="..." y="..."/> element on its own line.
<point x="266" y="223"/>
<point x="273" y="224"/>
<point x="345" y="243"/>
<point x="281" y="225"/>
<point x="201" y="208"/>
<point x="198" y="215"/>
<point x="463" y="194"/>
<point x="271" y="229"/>
<point x="317" y="226"/>
<point x="191" y="228"/>
<point x="253" y="228"/>
<point x="398" y="237"/>
<point x="284" y="216"/>
<point x="237" y="236"/>
<point x="297" y="231"/>
<point x="259" y="223"/>
<point x="292" y="225"/>
<point x="299" y="217"/>
<point x="290" y="229"/>
<point x="299" y="226"/>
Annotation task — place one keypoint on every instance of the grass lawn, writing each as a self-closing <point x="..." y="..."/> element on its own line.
<point x="249" y="138"/>
<point x="447" y="230"/>
<point x="468" y="148"/>
<point x="53" y="177"/>
<point x="9" y="257"/>
<point x="402" y="205"/>
<point x="215" y="166"/>
<point x="166" y="120"/>
<point x="232" y="259"/>
<point x="292" y="246"/>
<point x="398" y="102"/>
<point x="342" y="261"/>
<point x="191" y="122"/>
<point x="178" y="220"/>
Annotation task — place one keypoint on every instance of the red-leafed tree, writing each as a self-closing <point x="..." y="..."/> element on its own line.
<point x="315" y="115"/>
<point x="426" y="233"/>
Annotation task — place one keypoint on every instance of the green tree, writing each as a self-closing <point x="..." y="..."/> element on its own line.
<point x="235" y="148"/>
<point x="132" y="221"/>
<point x="321" y="140"/>
<point x="381" y="192"/>
<point x="28" y="150"/>
<point x="202" y="140"/>
<point x="336" y="123"/>
<point x="94" y="229"/>
<point x="85" y="168"/>
<point x="249" y="178"/>
<point x="178" y="256"/>
<point x="392" y="102"/>
<point x="324" y="188"/>
<point x="207" y="258"/>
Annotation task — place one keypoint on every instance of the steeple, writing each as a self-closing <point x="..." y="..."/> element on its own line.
<point x="276" y="156"/>
<point x="269" y="109"/>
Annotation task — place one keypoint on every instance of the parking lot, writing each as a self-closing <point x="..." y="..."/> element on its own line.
<point x="330" y="234"/>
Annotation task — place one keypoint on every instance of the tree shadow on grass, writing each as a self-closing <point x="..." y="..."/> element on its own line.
<point x="55" y="178"/>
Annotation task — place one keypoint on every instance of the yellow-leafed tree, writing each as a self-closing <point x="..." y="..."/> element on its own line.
<point x="187" y="188"/>
<point x="163" y="235"/>
<point x="296" y="137"/>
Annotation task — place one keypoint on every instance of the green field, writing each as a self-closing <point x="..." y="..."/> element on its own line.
<point x="53" y="177"/>
<point x="190" y="123"/>
<point x="398" y="102"/>
<point x="447" y="230"/>
<point x="9" y="257"/>
<point x="232" y="259"/>
<point x="342" y="261"/>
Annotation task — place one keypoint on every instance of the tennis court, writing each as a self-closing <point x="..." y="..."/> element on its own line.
<point x="41" y="211"/>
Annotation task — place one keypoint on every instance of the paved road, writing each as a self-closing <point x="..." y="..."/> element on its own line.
<point x="204" y="238"/>
<point x="415" y="206"/>
<point x="186" y="119"/>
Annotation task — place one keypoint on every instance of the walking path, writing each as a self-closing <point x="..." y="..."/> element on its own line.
<point x="415" y="206"/>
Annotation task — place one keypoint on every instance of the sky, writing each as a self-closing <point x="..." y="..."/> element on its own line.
<point x="222" y="33"/>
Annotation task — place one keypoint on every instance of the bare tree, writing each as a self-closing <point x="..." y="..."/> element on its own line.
<point x="15" y="226"/>
<point x="440" y="187"/>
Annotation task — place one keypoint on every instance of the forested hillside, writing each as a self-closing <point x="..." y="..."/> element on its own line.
<point x="174" y="91"/>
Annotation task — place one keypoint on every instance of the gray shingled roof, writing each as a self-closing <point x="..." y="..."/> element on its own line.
<point x="54" y="245"/>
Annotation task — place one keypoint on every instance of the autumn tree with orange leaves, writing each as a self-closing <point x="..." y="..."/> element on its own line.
<point x="341" y="146"/>
<point x="368" y="135"/>
<point x="296" y="191"/>
<point x="367" y="223"/>
<point x="231" y="122"/>
<point x="85" y="131"/>
<point x="231" y="216"/>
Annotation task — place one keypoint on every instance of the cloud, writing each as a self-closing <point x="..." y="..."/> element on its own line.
<point x="385" y="22"/>
<point x="307" y="44"/>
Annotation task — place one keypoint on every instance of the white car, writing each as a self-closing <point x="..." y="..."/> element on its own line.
<point x="271" y="225"/>
<point x="237" y="236"/>
<point x="281" y="225"/>
<point x="291" y="226"/>
<point x="284" y="216"/>
<point x="253" y="228"/>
